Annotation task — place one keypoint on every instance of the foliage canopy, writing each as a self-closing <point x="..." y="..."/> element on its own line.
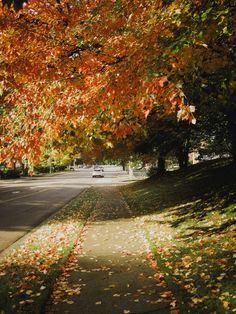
<point x="89" y="73"/>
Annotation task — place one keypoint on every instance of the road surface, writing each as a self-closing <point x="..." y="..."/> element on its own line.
<point x="26" y="202"/>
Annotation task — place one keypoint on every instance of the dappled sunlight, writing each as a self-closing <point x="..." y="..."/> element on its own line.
<point x="196" y="258"/>
<point x="40" y="256"/>
<point x="114" y="259"/>
<point x="175" y="193"/>
<point x="110" y="270"/>
<point x="36" y="258"/>
<point x="189" y="219"/>
<point x="44" y="246"/>
<point x="113" y="283"/>
<point x="187" y="239"/>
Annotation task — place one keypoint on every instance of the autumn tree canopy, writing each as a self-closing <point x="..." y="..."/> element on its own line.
<point x="83" y="73"/>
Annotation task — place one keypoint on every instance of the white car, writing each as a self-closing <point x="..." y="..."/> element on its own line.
<point x="98" y="173"/>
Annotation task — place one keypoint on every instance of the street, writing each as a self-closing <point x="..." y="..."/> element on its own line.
<point x="26" y="202"/>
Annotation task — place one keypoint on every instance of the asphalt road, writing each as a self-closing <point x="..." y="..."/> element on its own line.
<point x="26" y="202"/>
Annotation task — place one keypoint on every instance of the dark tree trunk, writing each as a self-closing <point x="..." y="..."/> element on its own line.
<point x="123" y="164"/>
<point x="182" y="156"/>
<point x="232" y="134"/>
<point x="161" y="165"/>
<point x="182" y="153"/>
<point x="231" y="117"/>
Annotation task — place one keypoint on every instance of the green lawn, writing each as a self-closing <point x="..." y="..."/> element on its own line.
<point x="189" y="221"/>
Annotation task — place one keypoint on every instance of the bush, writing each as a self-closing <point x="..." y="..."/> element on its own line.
<point x="42" y="169"/>
<point x="9" y="174"/>
<point x="153" y="171"/>
<point x="60" y="168"/>
<point x="46" y="169"/>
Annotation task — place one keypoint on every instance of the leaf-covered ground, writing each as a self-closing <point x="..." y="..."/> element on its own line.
<point x="189" y="221"/>
<point x="28" y="271"/>
<point x="111" y="273"/>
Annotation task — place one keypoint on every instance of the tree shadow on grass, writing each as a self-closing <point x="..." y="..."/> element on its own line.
<point x="189" y="198"/>
<point x="222" y="202"/>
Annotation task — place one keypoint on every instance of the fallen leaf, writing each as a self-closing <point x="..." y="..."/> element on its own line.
<point x="196" y="300"/>
<point x="173" y="304"/>
<point x="226" y="304"/>
<point x="187" y="261"/>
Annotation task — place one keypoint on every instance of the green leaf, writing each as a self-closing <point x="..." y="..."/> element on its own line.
<point x="225" y="30"/>
<point x="80" y="43"/>
<point x="200" y="35"/>
<point x="205" y="14"/>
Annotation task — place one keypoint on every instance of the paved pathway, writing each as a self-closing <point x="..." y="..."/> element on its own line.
<point x="110" y="273"/>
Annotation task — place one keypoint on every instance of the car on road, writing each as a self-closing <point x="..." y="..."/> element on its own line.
<point x="98" y="173"/>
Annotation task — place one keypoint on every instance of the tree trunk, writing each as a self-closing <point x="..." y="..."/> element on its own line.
<point x="231" y="117"/>
<point x="123" y="164"/>
<point x="182" y="152"/>
<point x="182" y="156"/>
<point x="25" y="169"/>
<point x="161" y="165"/>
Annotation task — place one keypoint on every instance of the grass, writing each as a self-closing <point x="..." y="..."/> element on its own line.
<point x="189" y="221"/>
<point x="29" y="271"/>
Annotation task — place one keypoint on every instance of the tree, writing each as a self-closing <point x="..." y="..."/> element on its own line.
<point x="203" y="59"/>
<point x="164" y="138"/>
<point x="65" y="63"/>
<point x="99" y="68"/>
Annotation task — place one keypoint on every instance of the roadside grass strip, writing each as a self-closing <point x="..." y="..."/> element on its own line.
<point x="191" y="236"/>
<point x="29" y="270"/>
<point x="199" y="271"/>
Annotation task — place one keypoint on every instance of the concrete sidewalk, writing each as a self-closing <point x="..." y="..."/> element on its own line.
<point x="108" y="271"/>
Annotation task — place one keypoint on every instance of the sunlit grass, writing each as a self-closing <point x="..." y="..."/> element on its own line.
<point x="189" y="221"/>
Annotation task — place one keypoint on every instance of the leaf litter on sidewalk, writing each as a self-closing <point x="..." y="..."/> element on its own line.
<point x="29" y="270"/>
<point x="106" y="273"/>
